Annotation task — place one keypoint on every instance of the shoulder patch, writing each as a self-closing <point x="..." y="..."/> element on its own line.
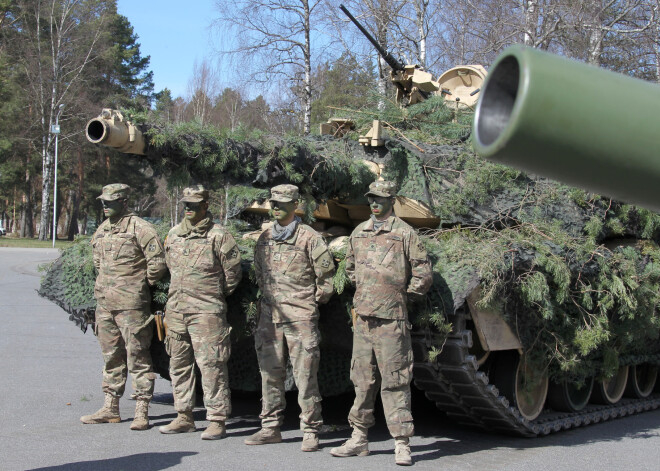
<point x="319" y="250"/>
<point x="230" y="249"/>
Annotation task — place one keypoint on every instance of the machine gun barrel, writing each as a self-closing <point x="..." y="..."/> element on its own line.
<point x="572" y="122"/>
<point x="389" y="58"/>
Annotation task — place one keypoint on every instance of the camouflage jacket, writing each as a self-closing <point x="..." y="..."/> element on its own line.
<point x="205" y="268"/>
<point x="128" y="257"/>
<point x="385" y="266"/>
<point x="293" y="275"/>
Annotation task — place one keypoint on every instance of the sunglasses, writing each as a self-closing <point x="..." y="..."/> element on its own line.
<point x="377" y="199"/>
<point x="109" y="204"/>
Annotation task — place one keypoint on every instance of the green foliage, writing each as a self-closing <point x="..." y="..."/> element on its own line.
<point x="579" y="321"/>
<point x="70" y="280"/>
<point x="342" y="84"/>
<point x="191" y="148"/>
<point x="240" y="197"/>
<point x="430" y="121"/>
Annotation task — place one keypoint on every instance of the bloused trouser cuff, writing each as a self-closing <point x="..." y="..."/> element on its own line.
<point x="203" y="339"/>
<point x="125" y="338"/>
<point x="302" y="339"/>
<point x="382" y="359"/>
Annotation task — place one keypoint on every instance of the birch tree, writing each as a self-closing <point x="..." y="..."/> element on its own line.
<point x="273" y="40"/>
<point x="202" y="90"/>
<point x="61" y="38"/>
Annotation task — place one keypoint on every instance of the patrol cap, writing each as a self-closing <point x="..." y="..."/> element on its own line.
<point x="114" y="191"/>
<point x="284" y="193"/>
<point x="382" y="188"/>
<point x="195" y="194"/>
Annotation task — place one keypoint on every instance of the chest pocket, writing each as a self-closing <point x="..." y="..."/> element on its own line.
<point x="392" y="255"/>
<point x="291" y="260"/>
<point x="201" y="253"/>
<point x="362" y="244"/>
<point x="123" y="246"/>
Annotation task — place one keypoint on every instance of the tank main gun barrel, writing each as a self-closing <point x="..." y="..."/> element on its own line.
<point x="389" y="58"/>
<point x="112" y="130"/>
<point x="572" y="122"/>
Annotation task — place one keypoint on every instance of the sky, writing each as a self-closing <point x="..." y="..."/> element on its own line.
<point x="174" y="34"/>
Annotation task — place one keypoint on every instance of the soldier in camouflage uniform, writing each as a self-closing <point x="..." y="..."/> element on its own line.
<point x="387" y="262"/>
<point x="129" y="258"/>
<point x="294" y="271"/>
<point x="205" y="266"/>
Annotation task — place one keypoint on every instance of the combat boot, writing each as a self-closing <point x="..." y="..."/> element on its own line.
<point x="183" y="423"/>
<point x="141" y="419"/>
<point x="310" y="441"/>
<point x="215" y="431"/>
<point x="264" y="436"/>
<point x="109" y="413"/>
<point x="357" y="445"/>
<point x="402" y="451"/>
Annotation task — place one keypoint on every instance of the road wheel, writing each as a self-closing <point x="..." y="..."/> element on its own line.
<point x="610" y="391"/>
<point x="567" y="397"/>
<point x="525" y="387"/>
<point x="641" y="380"/>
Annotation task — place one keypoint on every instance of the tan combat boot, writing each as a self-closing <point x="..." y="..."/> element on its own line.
<point x="310" y="441"/>
<point x="183" y="423"/>
<point x="264" y="436"/>
<point x="402" y="451"/>
<point x="141" y="419"/>
<point x="109" y="413"/>
<point x="215" y="431"/>
<point x="357" y="445"/>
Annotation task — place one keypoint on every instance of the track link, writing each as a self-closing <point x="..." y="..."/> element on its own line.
<point x="458" y="388"/>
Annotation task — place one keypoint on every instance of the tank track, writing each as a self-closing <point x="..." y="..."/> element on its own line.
<point x="458" y="388"/>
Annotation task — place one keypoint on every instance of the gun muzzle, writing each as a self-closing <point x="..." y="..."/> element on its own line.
<point x="572" y="122"/>
<point x="112" y="130"/>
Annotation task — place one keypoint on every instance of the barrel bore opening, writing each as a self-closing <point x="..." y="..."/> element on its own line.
<point x="95" y="131"/>
<point x="497" y="100"/>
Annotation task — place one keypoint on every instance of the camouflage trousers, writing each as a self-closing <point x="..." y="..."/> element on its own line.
<point x="125" y="338"/>
<point x="202" y="338"/>
<point x="300" y="340"/>
<point x="382" y="359"/>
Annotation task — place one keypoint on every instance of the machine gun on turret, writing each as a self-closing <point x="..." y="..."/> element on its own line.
<point x="413" y="85"/>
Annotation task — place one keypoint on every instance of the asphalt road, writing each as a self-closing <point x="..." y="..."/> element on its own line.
<point x="50" y="375"/>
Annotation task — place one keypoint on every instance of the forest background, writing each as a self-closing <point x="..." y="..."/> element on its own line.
<point x="297" y="61"/>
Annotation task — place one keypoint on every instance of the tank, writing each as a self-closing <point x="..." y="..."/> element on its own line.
<point x="542" y="316"/>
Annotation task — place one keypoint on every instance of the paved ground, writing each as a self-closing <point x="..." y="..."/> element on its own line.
<point x="50" y="375"/>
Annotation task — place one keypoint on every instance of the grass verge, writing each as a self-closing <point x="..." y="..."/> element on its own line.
<point x="33" y="243"/>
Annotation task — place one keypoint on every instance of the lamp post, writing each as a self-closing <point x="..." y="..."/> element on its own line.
<point x="55" y="129"/>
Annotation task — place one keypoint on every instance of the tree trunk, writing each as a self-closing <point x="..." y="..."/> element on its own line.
<point x="657" y="54"/>
<point x="27" y="221"/>
<point x="82" y="224"/>
<point x="596" y="34"/>
<point x="531" y="17"/>
<point x="72" y="211"/>
<point x="26" y="207"/>
<point x="307" y="98"/>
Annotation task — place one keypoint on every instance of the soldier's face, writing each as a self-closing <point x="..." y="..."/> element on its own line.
<point x="282" y="211"/>
<point x="381" y="206"/>
<point x="112" y="208"/>
<point x="195" y="212"/>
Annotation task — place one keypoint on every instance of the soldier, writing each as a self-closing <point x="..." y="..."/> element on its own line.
<point x="294" y="271"/>
<point x="387" y="262"/>
<point x="205" y="265"/>
<point x="129" y="258"/>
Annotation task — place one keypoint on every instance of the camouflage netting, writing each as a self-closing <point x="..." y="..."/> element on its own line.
<point x="576" y="275"/>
